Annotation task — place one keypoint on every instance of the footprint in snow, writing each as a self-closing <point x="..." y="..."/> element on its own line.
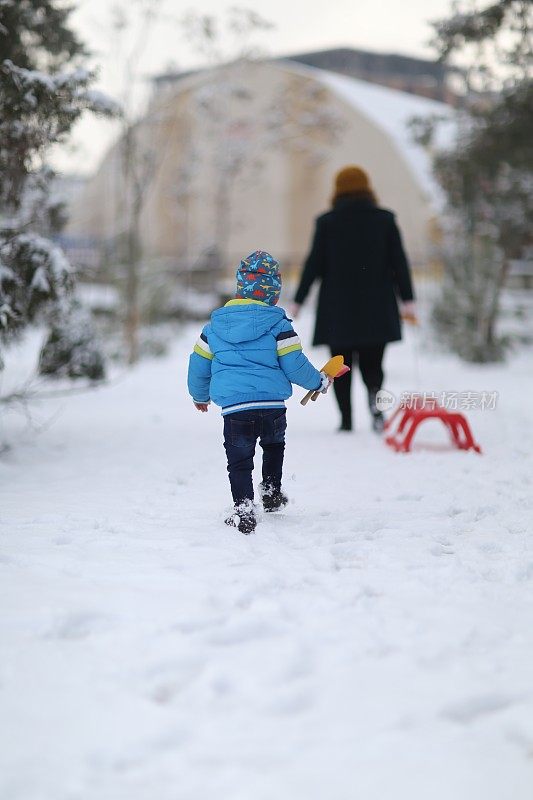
<point x="242" y="633"/>
<point x="467" y="711"/>
<point x="442" y="549"/>
<point x="293" y="703"/>
<point x="522" y="739"/>
<point x="165" y="691"/>
<point x="526" y="572"/>
<point x="347" y="555"/>
<point x="168" y="679"/>
<point x="77" y="625"/>
<point x="454" y="511"/>
<point x="60" y="541"/>
<point x="490" y="548"/>
<point x="484" y="511"/>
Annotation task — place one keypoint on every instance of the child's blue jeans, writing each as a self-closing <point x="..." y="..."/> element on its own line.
<point x="241" y="432"/>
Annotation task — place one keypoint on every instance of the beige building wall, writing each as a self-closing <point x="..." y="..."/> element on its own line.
<point x="245" y="157"/>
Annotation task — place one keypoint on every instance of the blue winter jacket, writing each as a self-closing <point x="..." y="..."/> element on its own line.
<point x="247" y="357"/>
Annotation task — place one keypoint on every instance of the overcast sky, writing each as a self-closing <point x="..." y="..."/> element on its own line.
<point x="399" y="26"/>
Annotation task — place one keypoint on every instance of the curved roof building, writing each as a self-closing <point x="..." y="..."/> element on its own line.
<point x="242" y="157"/>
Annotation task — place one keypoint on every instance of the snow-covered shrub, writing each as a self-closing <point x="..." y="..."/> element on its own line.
<point x="34" y="276"/>
<point x="44" y="90"/>
<point x="487" y="176"/>
<point x="72" y="349"/>
<point x="464" y="313"/>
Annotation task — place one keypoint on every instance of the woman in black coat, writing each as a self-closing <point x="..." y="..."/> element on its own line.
<point x="358" y="256"/>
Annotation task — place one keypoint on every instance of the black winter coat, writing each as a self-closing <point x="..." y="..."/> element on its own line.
<point x="358" y="255"/>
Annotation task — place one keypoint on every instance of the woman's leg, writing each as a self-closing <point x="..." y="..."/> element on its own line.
<point x="343" y="388"/>
<point x="370" y="364"/>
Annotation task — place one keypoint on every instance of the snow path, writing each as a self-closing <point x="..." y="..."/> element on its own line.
<point x="374" y="641"/>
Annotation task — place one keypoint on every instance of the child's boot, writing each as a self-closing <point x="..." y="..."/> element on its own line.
<point x="273" y="499"/>
<point x="243" y="517"/>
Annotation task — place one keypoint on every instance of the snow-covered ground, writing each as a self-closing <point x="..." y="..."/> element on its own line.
<point x="374" y="641"/>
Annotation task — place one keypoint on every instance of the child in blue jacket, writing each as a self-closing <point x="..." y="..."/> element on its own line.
<point x="246" y="360"/>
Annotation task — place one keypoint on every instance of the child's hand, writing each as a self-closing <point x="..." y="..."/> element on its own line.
<point x="327" y="380"/>
<point x="201" y="406"/>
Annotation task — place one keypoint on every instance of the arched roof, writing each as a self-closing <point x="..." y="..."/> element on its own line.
<point x="392" y="110"/>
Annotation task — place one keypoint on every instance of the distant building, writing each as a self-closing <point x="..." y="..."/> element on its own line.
<point x="243" y="157"/>
<point x="418" y="76"/>
<point x="407" y="74"/>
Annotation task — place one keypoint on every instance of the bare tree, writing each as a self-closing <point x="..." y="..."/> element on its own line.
<point x="138" y="161"/>
<point x="225" y="105"/>
<point x="227" y="43"/>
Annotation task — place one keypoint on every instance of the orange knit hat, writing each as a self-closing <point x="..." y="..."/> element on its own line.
<point x="351" y="180"/>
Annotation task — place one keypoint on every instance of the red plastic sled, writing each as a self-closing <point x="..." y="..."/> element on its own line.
<point x="407" y="419"/>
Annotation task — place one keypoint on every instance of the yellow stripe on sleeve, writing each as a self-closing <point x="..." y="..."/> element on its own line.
<point x="203" y="353"/>
<point x="286" y="350"/>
